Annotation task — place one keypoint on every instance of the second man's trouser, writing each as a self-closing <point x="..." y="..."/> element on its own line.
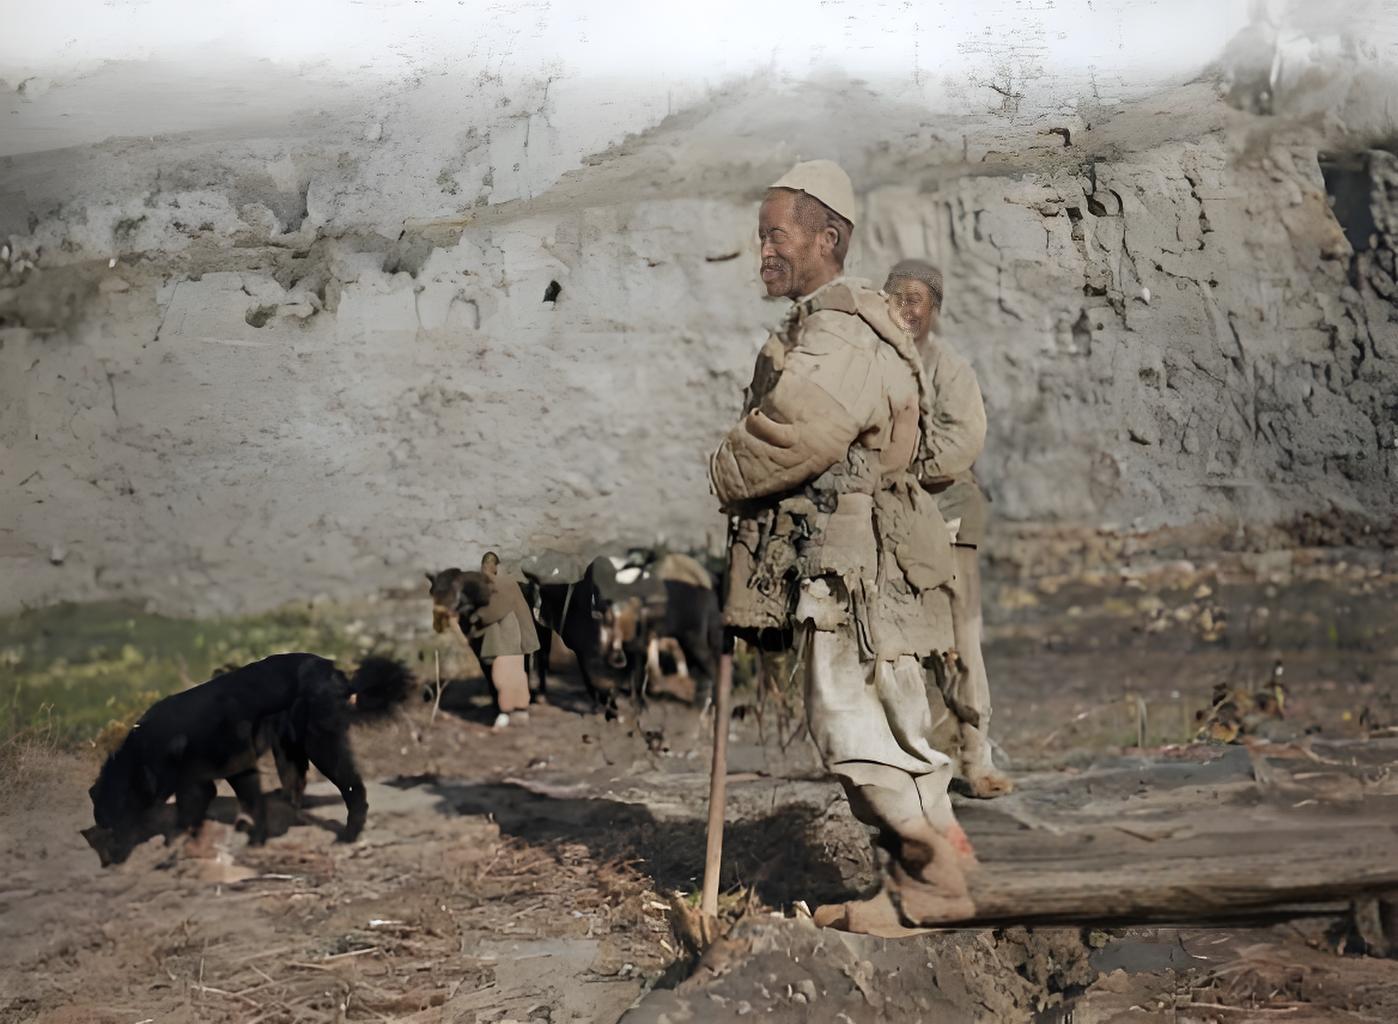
<point x="972" y="687"/>
<point x="966" y="628"/>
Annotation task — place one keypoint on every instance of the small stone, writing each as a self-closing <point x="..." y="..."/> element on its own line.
<point x="1145" y="296"/>
<point x="806" y="987"/>
<point x="1150" y="605"/>
<point x="112" y="285"/>
<point x="1118" y="982"/>
<point x="58" y="554"/>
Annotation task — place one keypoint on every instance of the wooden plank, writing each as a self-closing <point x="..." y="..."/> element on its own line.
<point x="1253" y="831"/>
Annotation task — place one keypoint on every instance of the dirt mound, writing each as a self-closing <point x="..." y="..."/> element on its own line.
<point x="790" y="970"/>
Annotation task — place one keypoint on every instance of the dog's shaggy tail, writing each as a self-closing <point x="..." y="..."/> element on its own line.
<point x="379" y="685"/>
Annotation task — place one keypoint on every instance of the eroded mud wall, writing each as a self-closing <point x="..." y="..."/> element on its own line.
<point x="325" y="362"/>
<point x="1180" y="334"/>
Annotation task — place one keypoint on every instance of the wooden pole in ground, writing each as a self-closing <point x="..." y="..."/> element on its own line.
<point x="437" y="690"/>
<point x="718" y="787"/>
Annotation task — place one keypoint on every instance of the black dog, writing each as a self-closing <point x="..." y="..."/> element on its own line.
<point x="298" y="705"/>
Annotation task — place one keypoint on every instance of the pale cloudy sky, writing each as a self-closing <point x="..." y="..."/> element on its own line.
<point x="98" y="69"/>
<point x="710" y="40"/>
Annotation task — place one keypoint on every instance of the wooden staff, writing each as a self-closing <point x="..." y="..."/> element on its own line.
<point x="437" y="690"/>
<point x="718" y="787"/>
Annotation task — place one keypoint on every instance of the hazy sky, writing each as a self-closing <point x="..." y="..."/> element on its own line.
<point x="709" y="40"/>
<point x="105" y="68"/>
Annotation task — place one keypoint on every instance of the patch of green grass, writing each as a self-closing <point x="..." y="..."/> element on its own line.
<point x="79" y="669"/>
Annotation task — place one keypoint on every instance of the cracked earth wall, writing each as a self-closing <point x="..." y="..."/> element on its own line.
<point x="235" y="372"/>
<point x="1172" y="336"/>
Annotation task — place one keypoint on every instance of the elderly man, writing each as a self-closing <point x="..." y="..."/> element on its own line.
<point x="954" y="437"/>
<point x="833" y="539"/>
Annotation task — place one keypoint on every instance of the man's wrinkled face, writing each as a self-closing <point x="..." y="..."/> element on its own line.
<point x="912" y="303"/>
<point x="791" y="254"/>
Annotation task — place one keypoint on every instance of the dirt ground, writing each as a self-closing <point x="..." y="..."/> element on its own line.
<point x="532" y="875"/>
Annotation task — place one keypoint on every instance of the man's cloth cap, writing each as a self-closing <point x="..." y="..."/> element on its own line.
<point x="824" y="180"/>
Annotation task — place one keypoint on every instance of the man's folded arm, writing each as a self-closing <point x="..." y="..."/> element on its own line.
<point x="955" y="436"/>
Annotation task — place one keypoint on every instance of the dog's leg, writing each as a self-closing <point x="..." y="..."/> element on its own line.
<point x="541" y="657"/>
<point x="603" y="701"/>
<point x="192" y="802"/>
<point x="594" y="694"/>
<point x="248" y="788"/>
<point x="638" y="680"/>
<point x="653" y="660"/>
<point x="681" y="665"/>
<point x="291" y="771"/>
<point x="332" y="755"/>
<point x="704" y="671"/>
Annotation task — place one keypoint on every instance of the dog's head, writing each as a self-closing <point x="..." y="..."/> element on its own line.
<point x="477" y="590"/>
<point x="445" y="588"/>
<point x="107" y="844"/>
<point x="123" y="792"/>
<point x="456" y="593"/>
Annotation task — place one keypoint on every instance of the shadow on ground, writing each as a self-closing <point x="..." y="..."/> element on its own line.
<point x="282" y="817"/>
<point x="779" y="856"/>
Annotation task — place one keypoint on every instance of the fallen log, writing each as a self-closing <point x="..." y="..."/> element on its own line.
<point x="1241" y="833"/>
